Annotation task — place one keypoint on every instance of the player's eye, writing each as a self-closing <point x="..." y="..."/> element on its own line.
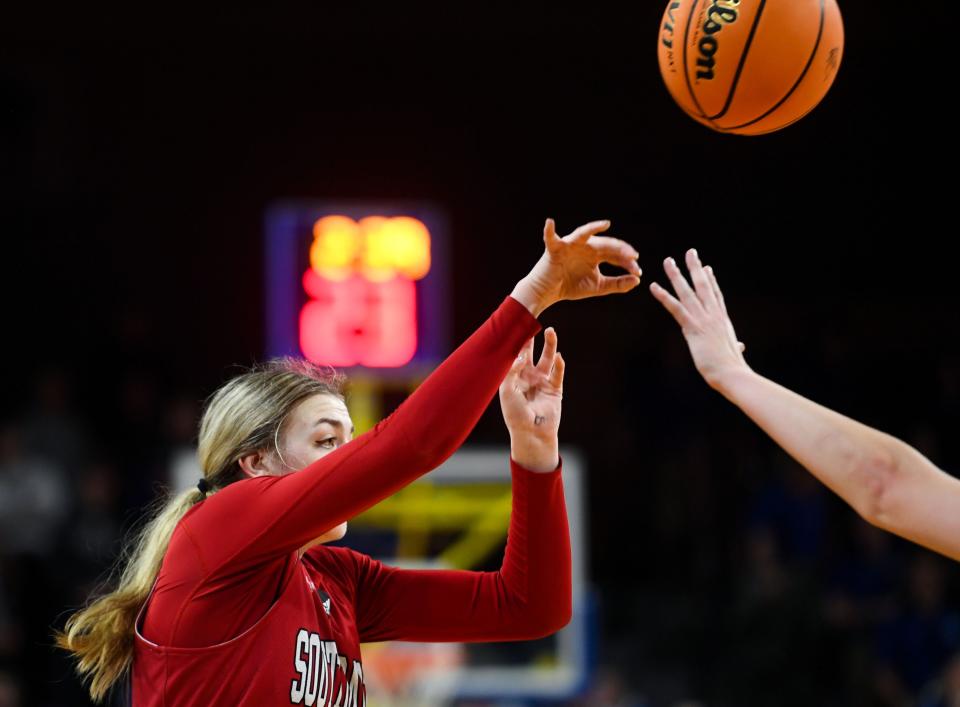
<point x="326" y="442"/>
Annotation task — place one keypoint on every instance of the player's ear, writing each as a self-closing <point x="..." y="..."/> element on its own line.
<point x="254" y="464"/>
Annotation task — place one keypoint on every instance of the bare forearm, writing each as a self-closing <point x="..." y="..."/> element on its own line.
<point x="857" y="462"/>
<point x="888" y="482"/>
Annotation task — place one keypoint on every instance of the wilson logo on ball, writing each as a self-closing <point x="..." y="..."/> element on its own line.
<point x="719" y="14"/>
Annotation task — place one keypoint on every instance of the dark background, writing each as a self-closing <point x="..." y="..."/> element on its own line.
<point x="139" y="149"/>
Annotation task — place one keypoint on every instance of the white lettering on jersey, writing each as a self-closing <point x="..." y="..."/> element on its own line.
<point x="322" y="675"/>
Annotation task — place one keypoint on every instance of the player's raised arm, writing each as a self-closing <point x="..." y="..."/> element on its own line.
<point x="886" y="481"/>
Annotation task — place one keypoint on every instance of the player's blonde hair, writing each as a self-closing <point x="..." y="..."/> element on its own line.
<point x="244" y="416"/>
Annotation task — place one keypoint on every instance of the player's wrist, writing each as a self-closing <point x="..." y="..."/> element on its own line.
<point x="535" y="454"/>
<point x="729" y="381"/>
<point x="527" y="293"/>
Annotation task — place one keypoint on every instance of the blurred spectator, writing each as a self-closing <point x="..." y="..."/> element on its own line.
<point x="182" y="419"/>
<point x="10" y="632"/>
<point x="859" y="593"/>
<point x="91" y="538"/>
<point x="945" y="690"/>
<point x="792" y="504"/>
<point x="768" y="655"/>
<point x="50" y="429"/>
<point x="862" y="587"/>
<point x="10" y="691"/>
<point x="914" y="646"/>
<point x="610" y="689"/>
<point x="34" y="497"/>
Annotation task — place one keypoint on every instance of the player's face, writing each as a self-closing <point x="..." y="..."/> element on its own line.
<point x="313" y="429"/>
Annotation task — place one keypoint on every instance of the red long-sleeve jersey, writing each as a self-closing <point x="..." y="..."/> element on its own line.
<point x="238" y="617"/>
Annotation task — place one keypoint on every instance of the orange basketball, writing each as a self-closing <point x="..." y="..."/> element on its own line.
<point x="749" y="66"/>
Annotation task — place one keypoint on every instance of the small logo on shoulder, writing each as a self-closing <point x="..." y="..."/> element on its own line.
<point x="325" y="599"/>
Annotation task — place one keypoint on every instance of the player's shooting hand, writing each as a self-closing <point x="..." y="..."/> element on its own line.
<point x="570" y="267"/>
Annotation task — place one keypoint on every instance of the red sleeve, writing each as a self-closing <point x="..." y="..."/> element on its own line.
<point x="270" y="516"/>
<point x="528" y="598"/>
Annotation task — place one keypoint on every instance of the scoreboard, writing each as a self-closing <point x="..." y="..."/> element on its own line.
<point x="359" y="286"/>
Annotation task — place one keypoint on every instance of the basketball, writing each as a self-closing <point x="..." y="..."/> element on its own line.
<point x="749" y="66"/>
